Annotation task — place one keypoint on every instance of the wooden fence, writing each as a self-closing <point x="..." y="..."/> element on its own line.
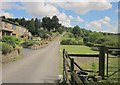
<point x="69" y="72"/>
<point x="113" y="68"/>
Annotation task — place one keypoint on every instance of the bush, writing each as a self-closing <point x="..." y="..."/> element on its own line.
<point x="89" y="44"/>
<point x="115" y="53"/>
<point x="29" y="43"/>
<point x="70" y="42"/>
<point x="6" y="48"/>
<point x="95" y="48"/>
<point x="67" y="42"/>
<point x="11" y="40"/>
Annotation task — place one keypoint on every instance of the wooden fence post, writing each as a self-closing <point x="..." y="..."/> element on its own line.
<point x="102" y="61"/>
<point x="63" y="65"/>
<point x="72" y="70"/>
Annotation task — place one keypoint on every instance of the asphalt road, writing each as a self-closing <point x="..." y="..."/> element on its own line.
<point x="37" y="66"/>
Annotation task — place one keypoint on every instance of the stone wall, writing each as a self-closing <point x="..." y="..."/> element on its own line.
<point x="38" y="46"/>
<point x="11" y="56"/>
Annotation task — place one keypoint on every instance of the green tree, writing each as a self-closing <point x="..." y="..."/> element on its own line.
<point x="55" y="23"/>
<point x="76" y="31"/>
<point x="46" y="23"/>
<point x="31" y="26"/>
<point x="22" y="22"/>
<point x="36" y="26"/>
<point x="95" y="36"/>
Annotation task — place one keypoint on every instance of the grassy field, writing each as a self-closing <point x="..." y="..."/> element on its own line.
<point x="85" y="63"/>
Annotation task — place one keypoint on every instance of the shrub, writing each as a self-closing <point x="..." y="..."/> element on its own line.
<point x="89" y="44"/>
<point x="115" y="53"/>
<point x="70" y="42"/>
<point x="29" y="43"/>
<point x="67" y="42"/>
<point x="6" y="48"/>
<point x="80" y="43"/>
<point x="95" y="48"/>
<point x="11" y="40"/>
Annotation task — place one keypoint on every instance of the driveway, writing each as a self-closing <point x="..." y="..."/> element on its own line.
<point x="37" y="66"/>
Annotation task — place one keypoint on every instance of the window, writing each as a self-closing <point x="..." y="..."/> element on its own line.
<point x="13" y="27"/>
<point x="6" y="25"/>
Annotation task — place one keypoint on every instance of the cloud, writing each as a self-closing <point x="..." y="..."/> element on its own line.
<point x="36" y="9"/>
<point x="84" y="7"/>
<point x="40" y="9"/>
<point x="64" y="19"/>
<point x="7" y="5"/>
<point x="94" y="25"/>
<point x="97" y="25"/>
<point x="7" y="15"/>
<point x="118" y="10"/>
<point x="79" y="19"/>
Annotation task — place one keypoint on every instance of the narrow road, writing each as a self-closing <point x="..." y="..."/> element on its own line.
<point x="37" y="66"/>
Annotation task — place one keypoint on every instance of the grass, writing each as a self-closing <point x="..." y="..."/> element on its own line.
<point x="78" y="49"/>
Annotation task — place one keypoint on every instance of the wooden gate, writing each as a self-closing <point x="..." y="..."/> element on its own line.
<point x="69" y="65"/>
<point x="113" y="64"/>
<point x="69" y="74"/>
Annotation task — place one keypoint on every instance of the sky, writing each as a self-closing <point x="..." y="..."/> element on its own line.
<point x="96" y="16"/>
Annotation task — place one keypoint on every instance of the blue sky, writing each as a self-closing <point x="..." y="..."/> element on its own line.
<point x="93" y="16"/>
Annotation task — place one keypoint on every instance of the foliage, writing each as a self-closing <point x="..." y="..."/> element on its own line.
<point x="31" y="26"/>
<point x="94" y="68"/>
<point x="70" y="42"/>
<point x="44" y="34"/>
<point x="95" y="48"/>
<point x="89" y="44"/>
<point x="50" y="24"/>
<point x="94" y="37"/>
<point x="6" y="48"/>
<point x="37" y="25"/>
<point x="11" y="40"/>
<point x="76" y="31"/>
<point x="29" y="43"/>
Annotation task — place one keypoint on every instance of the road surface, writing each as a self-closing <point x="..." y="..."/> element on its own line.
<point x="38" y="66"/>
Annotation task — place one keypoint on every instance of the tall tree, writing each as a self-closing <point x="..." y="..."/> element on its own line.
<point x="46" y="23"/>
<point x="22" y="22"/>
<point x="36" y="26"/>
<point x="76" y="31"/>
<point x="55" y="23"/>
<point x="31" y="26"/>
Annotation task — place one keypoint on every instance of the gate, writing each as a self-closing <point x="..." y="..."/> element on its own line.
<point x="109" y="65"/>
<point x="113" y="64"/>
<point x="69" y="65"/>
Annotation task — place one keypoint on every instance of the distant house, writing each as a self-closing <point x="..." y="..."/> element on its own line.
<point x="13" y="29"/>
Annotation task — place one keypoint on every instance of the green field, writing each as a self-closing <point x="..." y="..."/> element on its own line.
<point x="77" y="49"/>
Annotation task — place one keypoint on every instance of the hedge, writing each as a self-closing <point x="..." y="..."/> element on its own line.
<point x="29" y="43"/>
<point x="70" y="42"/>
<point x="11" y="40"/>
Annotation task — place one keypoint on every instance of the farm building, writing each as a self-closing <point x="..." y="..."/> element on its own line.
<point x="13" y="29"/>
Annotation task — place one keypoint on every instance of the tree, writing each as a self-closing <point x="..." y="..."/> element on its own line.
<point x="22" y="22"/>
<point x="46" y="23"/>
<point x="55" y="23"/>
<point x="36" y="26"/>
<point x="95" y="36"/>
<point x="31" y="26"/>
<point x="51" y="24"/>
<point x="76" y="31"/>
